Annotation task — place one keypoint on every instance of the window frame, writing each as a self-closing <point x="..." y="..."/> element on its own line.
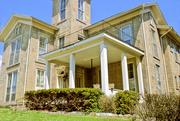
<point x="121" y="33"/>
<point x="154" y="43"/>
<point x="62" y="10"/>
<point x="158" y="78"/>
<point x="15" y="51"/>
<point x="46" y="45"/>
<point x="60" y="43"/>
<point x="37" y="87"/>
<point x="11" y="86"/>
<point x="81" y="10"/>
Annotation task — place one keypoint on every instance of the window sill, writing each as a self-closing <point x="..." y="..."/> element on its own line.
<point x="83" y="22"/>
<point x="157" y="58"/>
<point x="61" y="21"/>
<point x="13" y="65"/>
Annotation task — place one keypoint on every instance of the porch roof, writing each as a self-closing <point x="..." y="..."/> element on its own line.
<point x="89" y="49"/>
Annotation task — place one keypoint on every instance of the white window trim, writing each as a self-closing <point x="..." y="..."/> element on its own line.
<point x="83" y="18"/>
<point x="7" y="78"/>
<point x="36" y="87"/>
<point x="60" y="10"/>
<point x="20" y="36"/>
<point x="128" y="24"/>
<point x="44" y="36"/>
<point x="134" y="72"/>
<point x="59" y="41"/>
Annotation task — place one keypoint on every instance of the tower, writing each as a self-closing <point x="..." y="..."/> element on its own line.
<point x="70" y="16"/>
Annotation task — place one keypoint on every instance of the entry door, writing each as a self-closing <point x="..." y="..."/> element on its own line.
<point x="131" y="75"/>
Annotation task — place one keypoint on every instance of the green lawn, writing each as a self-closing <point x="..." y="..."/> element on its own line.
<point x="10" y="115"/>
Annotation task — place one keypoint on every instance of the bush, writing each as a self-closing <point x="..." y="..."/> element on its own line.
<point x="160" y="107"/>
<point x="126" y="101"/>
<point x="63" y="99"/>
<point x="106" y="104"/>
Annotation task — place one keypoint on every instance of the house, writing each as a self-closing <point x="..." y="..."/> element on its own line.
<point x="132" y="50"/>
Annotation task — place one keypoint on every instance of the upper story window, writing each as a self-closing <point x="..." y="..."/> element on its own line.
<point x="81" y="10"/>
<point x="63" y="9"/>
<point x="11" y="86"/>
<point x="175" y="51"/>
<point x="126" y="34"/>
<point x="43" y="45"/>
<point x="15" y="50"/>
<point x="61" y="42"/>
<point x="40" y="79"/>
<point x="80" y="38"/>
<point x="157" y="76"/>
<point x="154" y="44"/>
<point x="18" y="30"/>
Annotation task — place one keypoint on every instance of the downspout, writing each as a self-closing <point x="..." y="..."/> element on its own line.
<point x="146" y="50"/>
<point x="27" y="61"/>
<point x="162" y="48"/>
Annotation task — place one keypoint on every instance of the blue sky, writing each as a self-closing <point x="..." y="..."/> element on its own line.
<point x="100" y="9"/>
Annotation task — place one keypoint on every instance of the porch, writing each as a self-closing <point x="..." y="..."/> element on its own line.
<point x="101" y="61"/>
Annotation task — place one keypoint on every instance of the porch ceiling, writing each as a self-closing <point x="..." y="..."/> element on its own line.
<point x="88" y="51"/>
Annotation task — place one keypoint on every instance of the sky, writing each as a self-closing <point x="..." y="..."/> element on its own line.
<point x="100" y="9"/>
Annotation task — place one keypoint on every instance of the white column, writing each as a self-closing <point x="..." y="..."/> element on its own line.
<point x="124" y="67"/>
<point x="140" y="77"/>
<point x="47" y="76"/>
<point x="72" y="71"/>
<point x="104" y="69"/>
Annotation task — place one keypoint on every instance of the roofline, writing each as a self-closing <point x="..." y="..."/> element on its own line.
<point x="29" y="18"/>
<point x="102" y="35"/>
<point x="124" y="13"/>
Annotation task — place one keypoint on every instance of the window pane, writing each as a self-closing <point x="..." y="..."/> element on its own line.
<point x="8" y="87"/>
<point x="61" y="42"/>
<point x="157" y="75"/>
<point x="80" y="9"/>
<point x="40" y="78"/>
<point x="63" y="9"/>
<point x="126" y="34"/>
<point x="42" y="45"/>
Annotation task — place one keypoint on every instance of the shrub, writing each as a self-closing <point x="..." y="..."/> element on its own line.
<point x="160" y="107"/>
<point x="106" y="104"/>
<point x="126" y="101"/>
<point x="78" y="99"/>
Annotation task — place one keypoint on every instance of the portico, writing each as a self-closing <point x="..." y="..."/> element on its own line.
<point x="102" y="59"/>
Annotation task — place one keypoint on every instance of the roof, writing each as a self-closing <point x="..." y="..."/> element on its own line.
<point x="26" y="20"/>
<point x="165" y="29"/>
<point x="155" y="8"/>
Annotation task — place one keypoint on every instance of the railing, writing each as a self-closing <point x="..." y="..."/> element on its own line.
<point x="110" y="30"/>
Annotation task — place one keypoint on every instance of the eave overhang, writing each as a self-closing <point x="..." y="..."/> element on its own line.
<point x="26" y="20"/>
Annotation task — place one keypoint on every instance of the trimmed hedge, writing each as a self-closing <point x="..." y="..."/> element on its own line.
<point x="126" y="101"/>
<point x="78" y="99"/>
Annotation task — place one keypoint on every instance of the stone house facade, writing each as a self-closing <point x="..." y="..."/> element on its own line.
<point x="133" y="50"/>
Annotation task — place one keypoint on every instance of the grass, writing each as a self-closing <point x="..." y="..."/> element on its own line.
<point x="10" y="115"/>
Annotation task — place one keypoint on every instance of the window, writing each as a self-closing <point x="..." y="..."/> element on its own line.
<point x="63" y="9"/>
<point x="132" y="83"/>
<point x="157" y="76"/>
<point x="43" y="45"/>
<point x="11" y="87"/>
<point x="18" y="30"/>
<point x="80" y="38"/>
<point x="81" y="9"/>
<point x="61" y="42"/>
<point x="40" y="78"/>
<point x="126" y="34"/>
<point x="155" y="50"/>
<point x="15" y="50"/>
